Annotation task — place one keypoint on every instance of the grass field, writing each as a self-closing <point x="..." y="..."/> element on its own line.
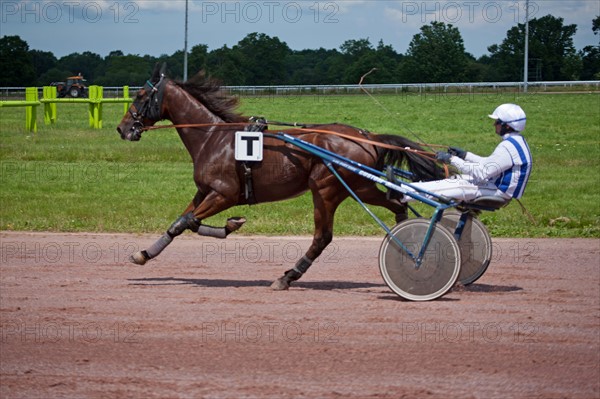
<point x="71" y="178"/>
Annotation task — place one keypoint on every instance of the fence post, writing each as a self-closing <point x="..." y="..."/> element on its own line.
<point x="50" y="114"/>
<point x="91" y="98"/>
<point x="95" y="106"/>
<point x="125" y="96"/>
<point x="31" y="94"/>
<point x="98" y="114"/>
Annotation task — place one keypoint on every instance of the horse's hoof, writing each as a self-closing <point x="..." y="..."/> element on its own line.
<point x="235" y="223"/>
<point x="138" y="258"/>
<point x="280" y="285"/>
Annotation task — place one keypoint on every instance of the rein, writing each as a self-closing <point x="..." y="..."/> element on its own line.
<point x="425" y="154"/>
<point x="302" y="130"/>
<point x="187" y="125"/>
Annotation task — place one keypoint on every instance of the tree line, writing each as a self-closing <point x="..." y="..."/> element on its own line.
<point x="435" y="55"/>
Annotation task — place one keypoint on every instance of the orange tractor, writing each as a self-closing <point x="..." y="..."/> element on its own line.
<point x="73" y="87"/>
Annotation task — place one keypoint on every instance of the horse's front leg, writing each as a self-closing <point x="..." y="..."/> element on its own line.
<point x="179" y="226"/>
<point x="325" y="203"/>
<point x="184" y="222"/>
<point x="191" y="219"/>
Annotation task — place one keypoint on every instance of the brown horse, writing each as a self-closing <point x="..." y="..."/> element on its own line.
<point x="206" y="121"/>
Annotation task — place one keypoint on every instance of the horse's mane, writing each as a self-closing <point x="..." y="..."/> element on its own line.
<point x="208" y="91"/>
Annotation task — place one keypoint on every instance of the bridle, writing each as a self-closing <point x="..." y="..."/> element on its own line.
<point x="150" y="108"/>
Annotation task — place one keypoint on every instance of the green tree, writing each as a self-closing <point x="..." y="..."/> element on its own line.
<point x="476" y="70"/>
<point x="197" y="59"/>
<point x="590" y="56"/>
<point x="358" y="59"/>
<point x="313" y="67"/>
<point x="263" y="58"/>
<point x="226" y="65"/>
<point x="16" y="63"/>
<point x="550" y="44"/>
<point x="486" y="72"/>
<point x="329" y="67"/>
<point x="53" y="75"/>
<point x="387" y="63"/>
<point x="356" y="48"/>
<point x="85" y="64"/>
<point x="42" y="61"/>
<point x="436" y="55"/>
<point x="174" y="63"/>
<point x="121" y="70"/>
<point x="361" y="57"/>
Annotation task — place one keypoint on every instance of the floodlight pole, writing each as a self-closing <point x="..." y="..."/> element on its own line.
<point x="526" y="61"/>
<point x="185" y="45"/>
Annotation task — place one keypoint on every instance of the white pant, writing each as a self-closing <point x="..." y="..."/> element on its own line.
<point x="459" y="187"/>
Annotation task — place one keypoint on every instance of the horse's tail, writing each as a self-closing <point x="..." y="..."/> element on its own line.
<point x="422" y="167"/>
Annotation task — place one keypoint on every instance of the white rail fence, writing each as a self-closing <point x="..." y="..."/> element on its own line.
<point x="403" y="88"/>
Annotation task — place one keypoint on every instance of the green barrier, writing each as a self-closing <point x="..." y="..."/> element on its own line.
<point x="31" y="103"/>
<point x="31" y="95"/>
<point x="49" y="94"/>
<point x="96" y="93"/>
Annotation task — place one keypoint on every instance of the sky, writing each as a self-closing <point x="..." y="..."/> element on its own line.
<point x="158" y="27"/>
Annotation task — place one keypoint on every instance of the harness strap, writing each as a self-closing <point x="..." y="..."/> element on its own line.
<point x="248" y="186"/>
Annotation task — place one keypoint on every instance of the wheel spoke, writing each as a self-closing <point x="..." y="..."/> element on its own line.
<point x="475" y="246"/>
<point x="438" y="269"/>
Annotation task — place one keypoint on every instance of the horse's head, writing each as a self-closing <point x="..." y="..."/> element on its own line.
<point x="146" y="107"/>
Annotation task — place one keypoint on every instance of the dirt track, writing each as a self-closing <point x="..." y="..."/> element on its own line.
<point x="77" y="320"/>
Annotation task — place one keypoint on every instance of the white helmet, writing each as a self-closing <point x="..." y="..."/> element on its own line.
<point x="512" y="115"/>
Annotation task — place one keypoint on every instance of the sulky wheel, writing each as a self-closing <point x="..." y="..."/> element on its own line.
<point x="438" y="270"/>
<point x="475" y="246"/>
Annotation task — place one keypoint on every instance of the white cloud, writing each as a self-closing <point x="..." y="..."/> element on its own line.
<point x="462" y="14"/>
<point x="159" y="5"/>
<point x="300" y="23"/>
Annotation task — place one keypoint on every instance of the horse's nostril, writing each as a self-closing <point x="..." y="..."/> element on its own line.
<point x="119" y="130"/>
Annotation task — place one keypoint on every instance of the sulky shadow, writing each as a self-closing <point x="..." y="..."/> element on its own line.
<point x="462" y="288"/>
<point x="393" y="297"/>
<point x="487" y="288"/>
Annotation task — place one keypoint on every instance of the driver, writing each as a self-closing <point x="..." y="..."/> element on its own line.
<point x="503" y="174"/>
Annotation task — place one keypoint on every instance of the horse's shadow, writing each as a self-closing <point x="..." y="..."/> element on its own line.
<point x="309" y="285"/>
<point x="222" y="283"/>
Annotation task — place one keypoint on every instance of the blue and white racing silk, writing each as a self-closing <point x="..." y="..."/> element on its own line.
<point x="508" y="168"/>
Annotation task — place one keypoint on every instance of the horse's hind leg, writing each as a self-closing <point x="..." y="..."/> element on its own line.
<point x="325" y="204"/>
<point x="325" y="207"/>
<point x="371" y="195"/>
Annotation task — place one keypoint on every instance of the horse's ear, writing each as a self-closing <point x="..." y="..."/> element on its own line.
<point x="156" y="72"/>
<point x="159" y="70"/>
